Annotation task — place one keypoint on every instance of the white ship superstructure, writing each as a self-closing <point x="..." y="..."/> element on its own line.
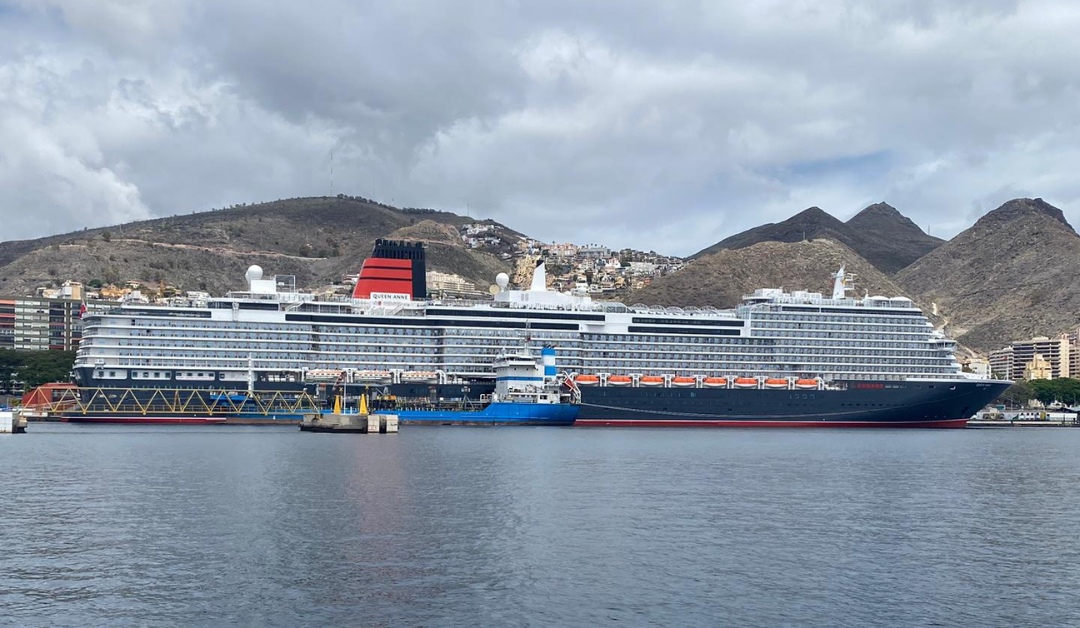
<point x="267" y="336"/>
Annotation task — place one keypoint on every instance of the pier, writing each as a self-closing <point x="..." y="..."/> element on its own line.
<point x="341" y="422"/>
<point x="1025" y="419"/>
<point x="350" y="423"/>
<point x="170" y="405"/>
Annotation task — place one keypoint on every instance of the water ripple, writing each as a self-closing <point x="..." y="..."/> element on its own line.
<point x="208" y="526"/>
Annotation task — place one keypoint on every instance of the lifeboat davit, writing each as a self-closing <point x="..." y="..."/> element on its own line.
<point x="683" y="381"/>
<point x="806" y="383"/>
<point x="776" y="383"/>
<point x="717" y="382"/>
<point x="650" y="380"/>
<point x="745" y="382"/>
<point x="586" y="380"/>
<point x="618" y="380"/>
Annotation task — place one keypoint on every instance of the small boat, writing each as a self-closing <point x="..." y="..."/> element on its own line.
<point x="419" y="376"/>
<point x="684" y="381"/>
<point x="776" y="383"/>
<point x="323" y="375"/>
<point x="618" y="380"/>
<point x="586" y="380"/>
<point x="746" y="382"/>
<point x="373" y="376"/>
<point x="650" y="380"/>
<point x="716" y="382"/>
<point x="806" y="383"/>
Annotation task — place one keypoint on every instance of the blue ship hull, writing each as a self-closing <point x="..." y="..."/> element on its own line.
<point x="498" y="413"/>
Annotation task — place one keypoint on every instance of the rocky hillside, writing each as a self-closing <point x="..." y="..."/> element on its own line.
<point x="316" y="239"/>
<point x="879" y="234"/>
<point x="721" y="279"/>
<point x="1006" y="278"/>
<point x="888" y="239"/>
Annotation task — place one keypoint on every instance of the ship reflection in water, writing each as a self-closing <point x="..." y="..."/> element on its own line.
<point x="223" y="525"/>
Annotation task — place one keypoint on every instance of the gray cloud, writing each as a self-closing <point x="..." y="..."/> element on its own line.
<point x="663" y="125"/>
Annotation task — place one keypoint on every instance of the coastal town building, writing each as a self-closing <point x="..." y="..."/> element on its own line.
<point x="1038" y="368"/>
<point x="41" y="324"/>
<point x="1073" y="338"/>
<point x="450" y="286"/>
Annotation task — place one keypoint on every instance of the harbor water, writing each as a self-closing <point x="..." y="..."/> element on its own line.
<point x="265" y="526"/>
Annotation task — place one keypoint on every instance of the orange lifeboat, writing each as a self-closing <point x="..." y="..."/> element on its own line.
<point x="651" y="380"/>
<point x="618" y="380"/>
<point x="683" y="381"/>
<point x="806" y="383"/>
<point x="586" y="380"/>
<point x="745" y="382"/>
<point x="776" y="383"/>
<point x="716" y="382"/>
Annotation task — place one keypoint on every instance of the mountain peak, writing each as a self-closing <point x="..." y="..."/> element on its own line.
<point x="1004" y="278"/>
<point x="1019" y="208"/>
<point x="877" y="210"/>
<point x="883" y="217"/>
<point x="720" y="279"/>
<point x="813" y="214"/>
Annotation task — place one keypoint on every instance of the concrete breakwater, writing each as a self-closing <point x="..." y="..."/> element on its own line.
<point x="350" y="423"/>
<point x="12" y="423"/>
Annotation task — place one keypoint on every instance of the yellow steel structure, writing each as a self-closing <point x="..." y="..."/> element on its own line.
<point x="176" y="401"/>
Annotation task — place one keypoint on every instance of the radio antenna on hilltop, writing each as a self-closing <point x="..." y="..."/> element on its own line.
<point x="331" y="173"/>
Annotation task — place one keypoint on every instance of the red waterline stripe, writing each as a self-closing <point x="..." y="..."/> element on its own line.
<point x="141" y="419"/>
<point x="949" y="423"/>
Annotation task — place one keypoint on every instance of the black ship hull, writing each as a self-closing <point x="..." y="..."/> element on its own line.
<point x="856" y="404"/>
<point x="926" y="403"/>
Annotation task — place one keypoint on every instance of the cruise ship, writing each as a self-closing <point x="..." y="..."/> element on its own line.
<point x="777" y="359"/>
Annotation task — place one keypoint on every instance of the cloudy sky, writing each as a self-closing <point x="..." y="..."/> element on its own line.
<point x="645" y="123"/>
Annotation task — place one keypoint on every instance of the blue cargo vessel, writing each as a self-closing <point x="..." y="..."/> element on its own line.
<point x="496" y="413"/>
<point x="527" y="392"/>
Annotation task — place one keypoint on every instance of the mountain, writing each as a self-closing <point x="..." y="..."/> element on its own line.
<point x="888" y="239"/>
<point x="721" y="279"/>
<point x="809" y="224"/>
<point x="1008" y="277"/>
<point x="879" y="233"/>
<point x="316" y="239"/>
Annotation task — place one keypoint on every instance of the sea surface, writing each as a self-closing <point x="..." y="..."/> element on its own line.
<point x="266" y="526"/>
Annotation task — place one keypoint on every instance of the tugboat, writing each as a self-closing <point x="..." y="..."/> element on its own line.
<point x="528" y="391"/>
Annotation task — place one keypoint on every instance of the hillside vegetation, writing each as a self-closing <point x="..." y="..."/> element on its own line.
<point x="316" y="239"/>
<point x="1008" y="277"/>
<point x="721" y="279"/>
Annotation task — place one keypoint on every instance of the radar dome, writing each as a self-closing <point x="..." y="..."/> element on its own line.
<point x="254" y="273"/>
<point x="502" y="280"/>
